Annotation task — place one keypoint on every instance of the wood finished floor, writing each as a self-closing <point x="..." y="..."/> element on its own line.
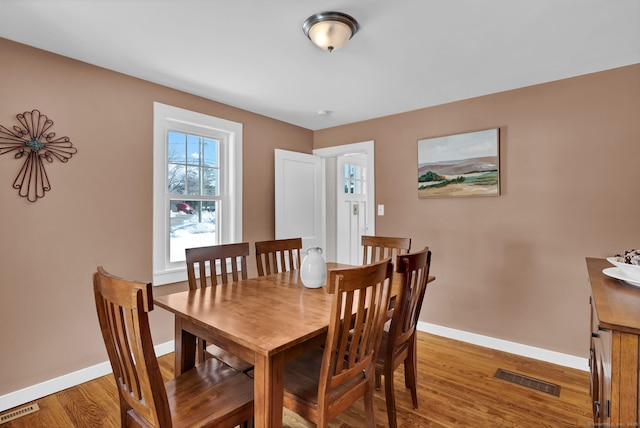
<point x="456" y="388"/>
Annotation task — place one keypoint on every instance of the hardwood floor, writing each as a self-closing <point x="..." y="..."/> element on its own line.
<point x="456" y="387"/>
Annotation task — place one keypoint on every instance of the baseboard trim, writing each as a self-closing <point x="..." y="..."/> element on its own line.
<point x="553" y="357"/>
<point x="31" y="393"/>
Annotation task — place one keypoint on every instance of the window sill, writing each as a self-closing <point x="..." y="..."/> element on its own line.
<point x="170" y="277"/>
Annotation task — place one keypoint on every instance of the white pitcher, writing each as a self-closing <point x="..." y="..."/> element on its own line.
<point x="313" y="270"/>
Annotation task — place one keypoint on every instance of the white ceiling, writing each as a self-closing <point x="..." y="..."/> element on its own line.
<point x="408" y="54"/>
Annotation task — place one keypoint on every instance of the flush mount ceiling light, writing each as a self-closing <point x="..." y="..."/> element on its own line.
<point x="330" y="30"/>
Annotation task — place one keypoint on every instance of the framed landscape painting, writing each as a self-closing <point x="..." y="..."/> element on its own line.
<point x="460" y="165"/>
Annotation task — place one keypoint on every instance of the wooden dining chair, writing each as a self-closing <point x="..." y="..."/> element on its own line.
<point x="211" y="394"/>
<point x="213" y="262"/>
<point x="376" y="248"/>
<point x="279" y="255"/>
<point x="399" y="340"/>
<point x="322" y="383"/>
<point x="222" y="261"/>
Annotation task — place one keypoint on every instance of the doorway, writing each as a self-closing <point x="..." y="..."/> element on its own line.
<point x="349" y="199"/>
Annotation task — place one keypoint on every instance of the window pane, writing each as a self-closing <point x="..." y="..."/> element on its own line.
<point x="193" y="149"/>
<point x="193" y="224"/>
<point x="193" y="180"/>
<point x="346" y="170"/>
<point x="176" y="175"/>
<point x="210" y="181"/>
<point x="210" y="150"/>
<point x="346" y="186"/>
<point x="176" y="147"/>
<point x="358" y="191"/>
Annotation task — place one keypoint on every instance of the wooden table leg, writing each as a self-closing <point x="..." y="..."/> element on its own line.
<point x="185" y="349"/>
<point x="268" y="383"/>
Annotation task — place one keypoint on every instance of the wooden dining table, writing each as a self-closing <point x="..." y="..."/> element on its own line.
<point x="266" y="321"/>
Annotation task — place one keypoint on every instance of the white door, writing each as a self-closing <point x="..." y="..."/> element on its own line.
<point x="351" y="207"/>
<point x="299" y="198"/>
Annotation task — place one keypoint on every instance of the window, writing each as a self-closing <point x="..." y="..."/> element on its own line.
<point x="355" y="177"/>
<point x="197" y="187"/>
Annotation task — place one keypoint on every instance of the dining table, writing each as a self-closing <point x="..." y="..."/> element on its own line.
<point x="266" y="321"/>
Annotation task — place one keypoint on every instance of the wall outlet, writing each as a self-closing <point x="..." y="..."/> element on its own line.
<point x="380" y="210"/>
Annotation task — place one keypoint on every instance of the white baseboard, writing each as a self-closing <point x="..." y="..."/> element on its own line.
<point x="31" y="393"/>
<point x="511" y="347"/>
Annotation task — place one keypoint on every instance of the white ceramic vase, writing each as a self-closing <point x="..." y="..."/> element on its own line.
<point x="313" y="270"/>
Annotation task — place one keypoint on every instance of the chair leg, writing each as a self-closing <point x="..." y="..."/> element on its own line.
<point x="378" y="379"/>
<point x="390" y="396"/>
<point x="368" y="406"/>
<point x="124" y="410"/>
<point x="322" y="417"/>
<point x="412" y="356"/>
<point x="410" y="375"/>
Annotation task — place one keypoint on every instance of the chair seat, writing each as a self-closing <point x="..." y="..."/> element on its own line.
<point x="302" y="375"/>
<point x="380" y="356"/>
<point x="203" y="395"/>
<point x="228" y="358"/>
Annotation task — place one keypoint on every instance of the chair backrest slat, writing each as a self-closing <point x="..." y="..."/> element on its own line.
<point x="279" y="255"/>
<point x="216" y="257"/>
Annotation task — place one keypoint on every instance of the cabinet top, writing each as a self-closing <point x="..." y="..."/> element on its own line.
<point x="617" y="303"/>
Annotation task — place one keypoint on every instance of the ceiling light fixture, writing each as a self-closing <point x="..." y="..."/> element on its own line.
<point x="330" y="30"/>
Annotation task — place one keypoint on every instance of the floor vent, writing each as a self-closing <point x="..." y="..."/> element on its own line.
<point x="15" y="414"/>
<point x="529" y="382"/>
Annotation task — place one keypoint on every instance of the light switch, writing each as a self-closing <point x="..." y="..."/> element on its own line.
<point x="380" y="209"/>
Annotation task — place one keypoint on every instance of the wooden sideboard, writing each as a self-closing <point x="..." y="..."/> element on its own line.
<point x="614" y="354"/>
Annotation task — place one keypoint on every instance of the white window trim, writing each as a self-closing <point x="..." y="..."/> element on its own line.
<point x="165" y="272"/>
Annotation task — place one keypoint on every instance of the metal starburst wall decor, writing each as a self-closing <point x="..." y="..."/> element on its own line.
<point x="33" y="142"/>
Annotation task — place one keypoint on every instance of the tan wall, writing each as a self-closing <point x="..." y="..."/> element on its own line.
<point x="512" y="267"/>
<point x="99" y="209"/>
